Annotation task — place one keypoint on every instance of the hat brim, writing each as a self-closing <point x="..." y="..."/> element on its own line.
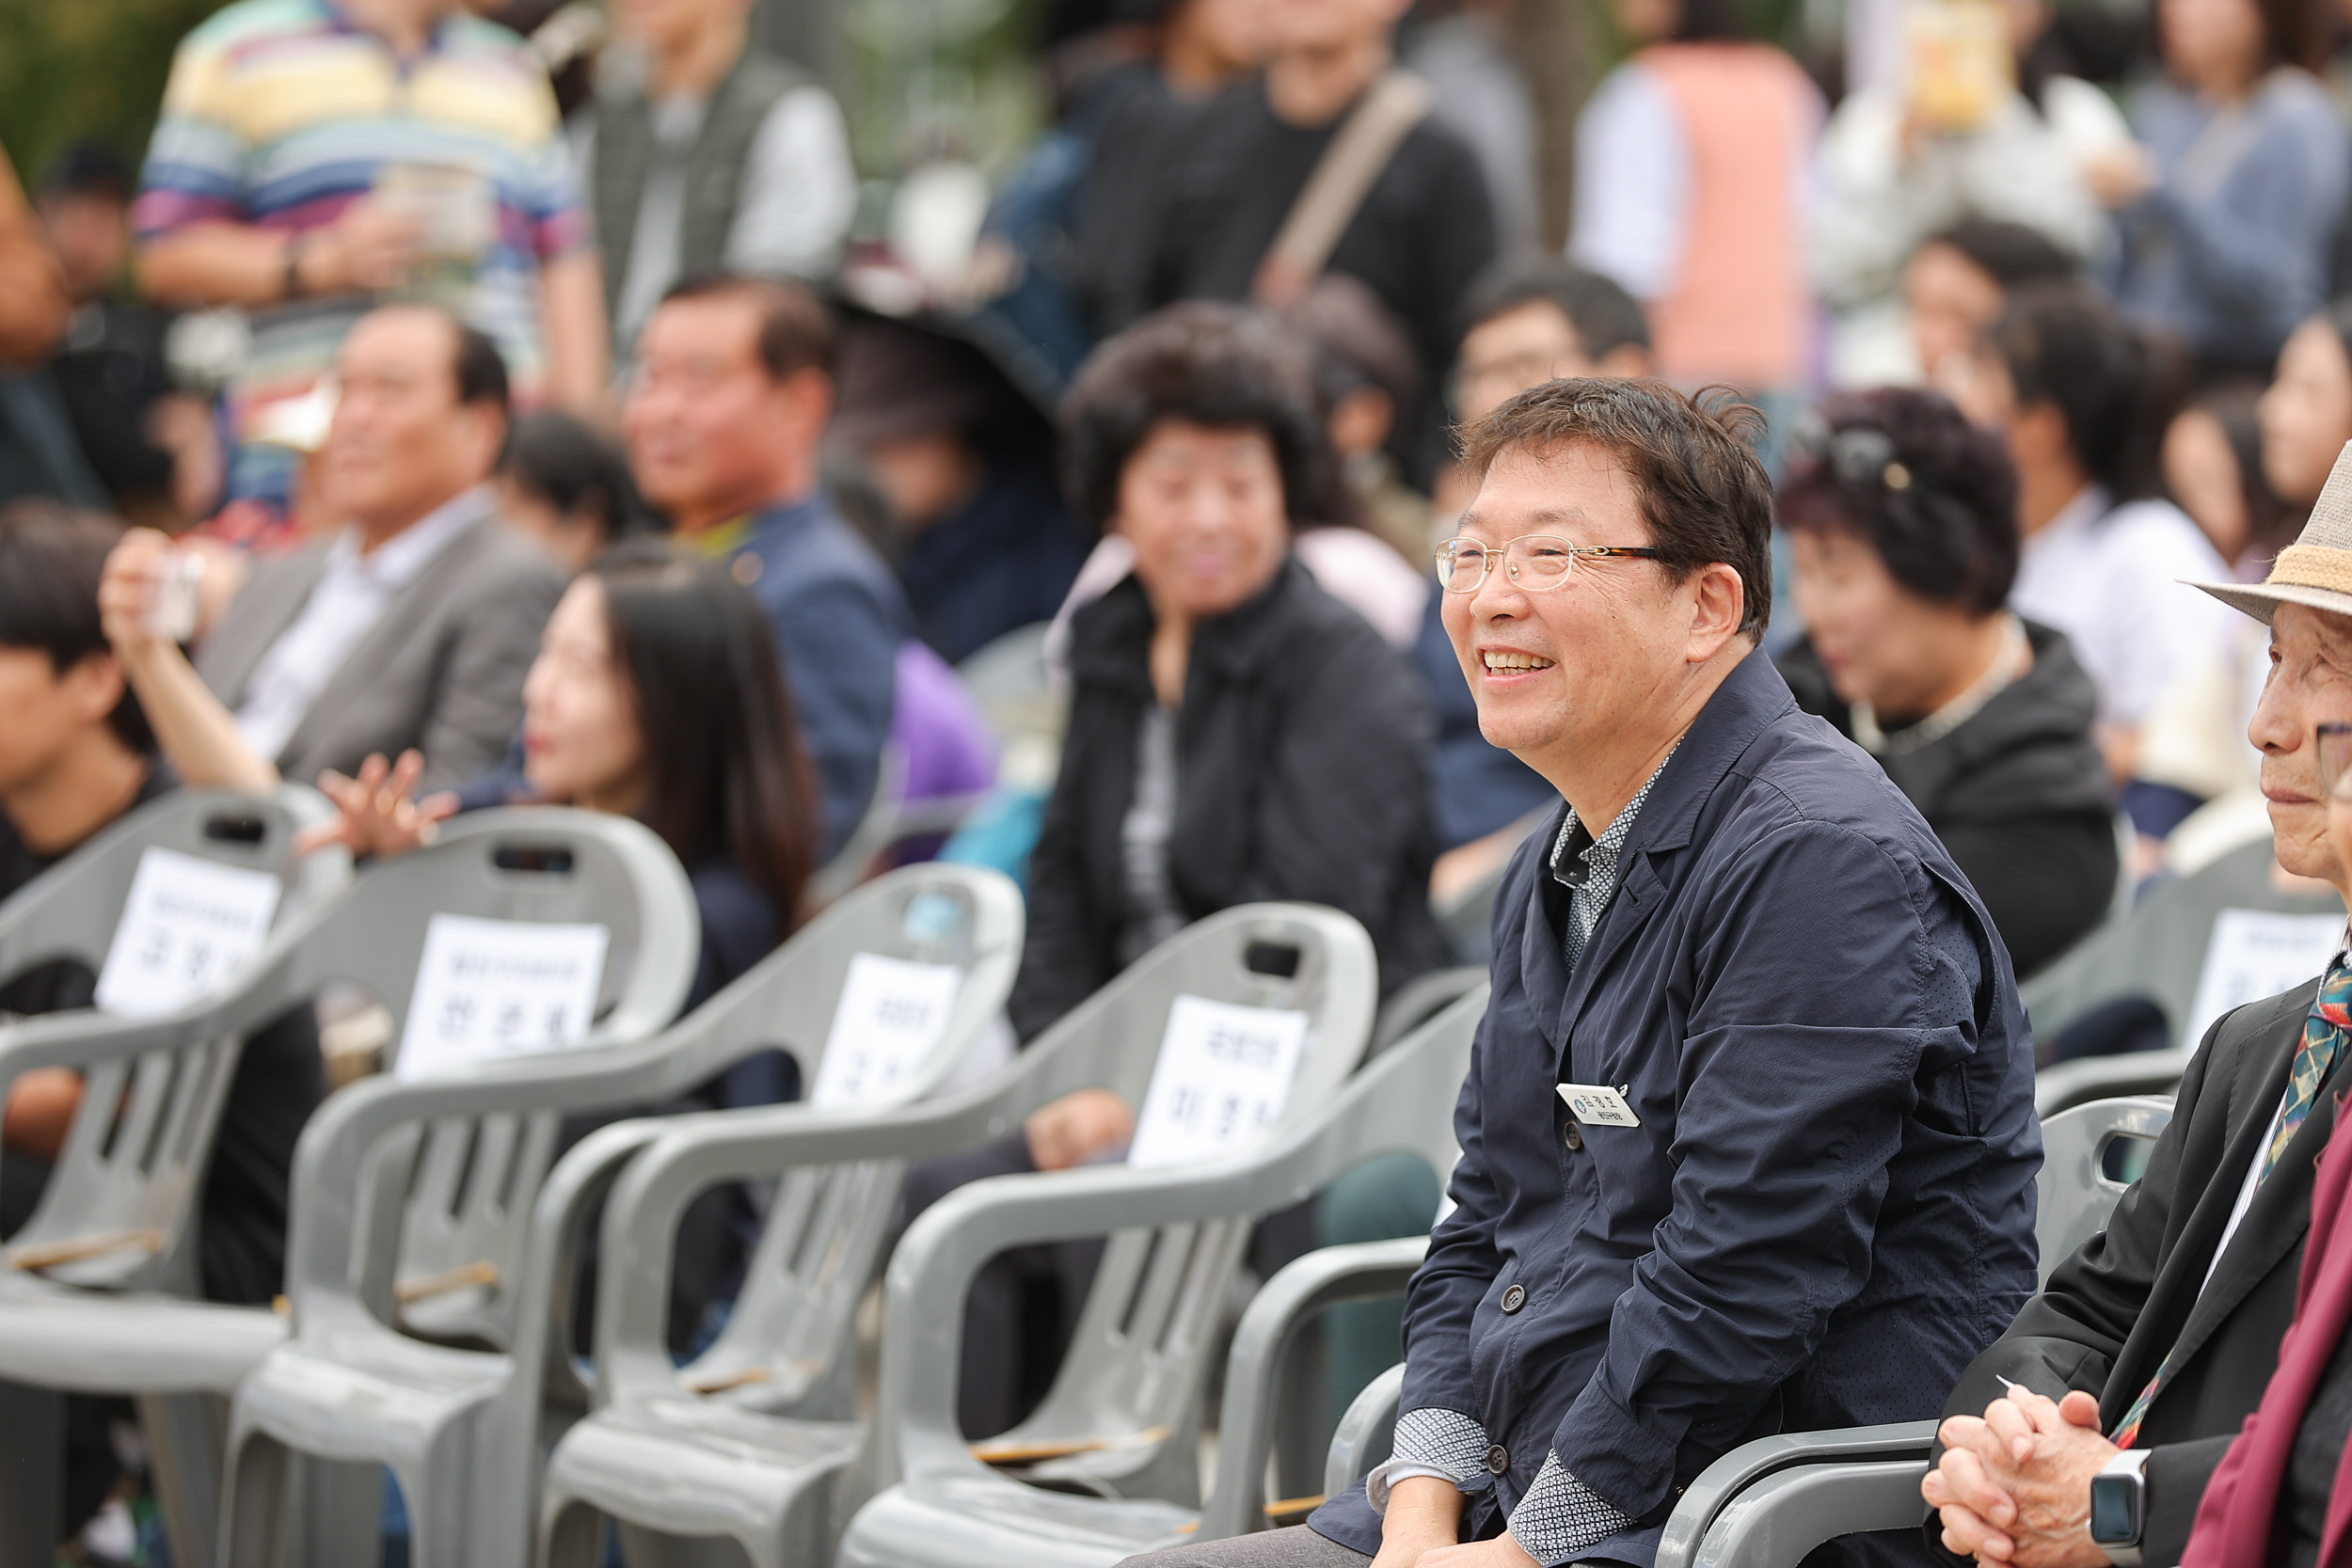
<point x="2261" y="599"/>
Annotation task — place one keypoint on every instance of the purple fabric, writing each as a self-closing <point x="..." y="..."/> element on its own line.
<point x="939" y="728"/>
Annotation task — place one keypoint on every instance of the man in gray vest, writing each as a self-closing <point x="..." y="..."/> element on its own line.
<point x="705" y="152"/>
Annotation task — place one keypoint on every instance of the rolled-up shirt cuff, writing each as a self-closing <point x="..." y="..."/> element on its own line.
<point x="1444" y="1444"/>
<point x="1560" y="1515"/>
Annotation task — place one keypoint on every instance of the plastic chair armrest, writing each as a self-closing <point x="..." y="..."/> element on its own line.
<point x="2078" y="1082"/>
<point x="1735" y="1473"/>
<point x="1360" y="1272"/>
<point x="1368" y="1415"/>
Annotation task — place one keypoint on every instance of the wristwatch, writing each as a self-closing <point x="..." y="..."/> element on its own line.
<point x="2119" y="1507"/>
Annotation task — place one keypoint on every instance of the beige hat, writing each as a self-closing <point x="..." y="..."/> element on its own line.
<point x="2317" y="569"/>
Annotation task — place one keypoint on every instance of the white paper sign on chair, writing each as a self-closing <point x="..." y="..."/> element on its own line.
<point x="187" y="927"/>
<point x="1224" y="1074"/>
<point x="2258" y="953"/>
<point x="493" y="989"/>
<point x="892" y="1013"/>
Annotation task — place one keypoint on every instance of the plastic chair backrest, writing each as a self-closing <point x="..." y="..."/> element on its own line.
<point x="1132" y="1373"/>
<point x="1467" y="916"/>
<point x="2158" y="950"/>
<point x="115" y="1211"/>
<point x="823" y="1224"/>
<point x="461" y="1227"/>
<point x="70" y="911"/>
<point x="2089" y="1155"/>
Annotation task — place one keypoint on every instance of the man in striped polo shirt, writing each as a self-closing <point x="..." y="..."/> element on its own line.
<point x="315" y="157"/>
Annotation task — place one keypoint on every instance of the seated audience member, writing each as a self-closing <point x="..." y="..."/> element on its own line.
<point x="981" y="535"/>
<point x="2280" y="1495"/>
<point x="2170" y="1320"/>
<point x="1531" y="322"/>
<point x="411" y="626"/>
<point x="1792" y="1065"/>
<point x="724" y="419"/>
<point x="154" y="449"/>
<point x="76" y="756"/>
<point x="1235" y="735"/>
<point x="1957" y="283"/>
<point x="2307" y="410"/>
<point x="1903" y="521"/>
<point x="2078" y="395"/>
<point x="656" y="695"/>
<point x="567" y="484"/>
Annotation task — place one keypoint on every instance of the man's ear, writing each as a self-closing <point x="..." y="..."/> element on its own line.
<point x="1719" y="603"/>
<point x="94" y="686"/>
<point x="809" y="392"/>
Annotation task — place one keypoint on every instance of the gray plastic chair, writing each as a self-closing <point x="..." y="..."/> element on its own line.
<point x="69" y="914"/>
<point x="875" y="830"/>
<point x="2093" y="1078"/>
<point x="462" y="1422"/>
<point x="1767" y="1503"/>
<point x="766" y="1463"/>
<point x="2158" y="950"/>
<point x="116" y="1319"/>
<point x="937" y="1502"/>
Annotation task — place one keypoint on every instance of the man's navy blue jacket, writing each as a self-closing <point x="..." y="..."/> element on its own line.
<point x="1828" y="1208"/>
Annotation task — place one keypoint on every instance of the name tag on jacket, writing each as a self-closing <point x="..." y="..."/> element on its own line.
<point x="1597" y="1105"/>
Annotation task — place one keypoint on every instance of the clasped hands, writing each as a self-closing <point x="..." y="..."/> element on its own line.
<point x="1422" y="1526"/>
<point x="2014" y="1488"/>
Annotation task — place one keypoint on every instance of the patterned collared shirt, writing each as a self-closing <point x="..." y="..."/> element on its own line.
<point x="1560" y="1515"/>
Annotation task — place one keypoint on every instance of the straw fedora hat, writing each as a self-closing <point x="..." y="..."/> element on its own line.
<point x="2317" y="569"/>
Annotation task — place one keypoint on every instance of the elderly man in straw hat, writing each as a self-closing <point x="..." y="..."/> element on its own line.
<point x="2109" y="1400"/>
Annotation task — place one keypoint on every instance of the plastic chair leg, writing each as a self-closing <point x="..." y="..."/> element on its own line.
<point x="32" y="1475"/>
<point x="186" y="1436"/>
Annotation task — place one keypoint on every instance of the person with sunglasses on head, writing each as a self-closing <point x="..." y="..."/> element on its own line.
<point x="2086" y="1435"/>
<point x="1749" y="1119"/>
<point x="1902" y="524"/>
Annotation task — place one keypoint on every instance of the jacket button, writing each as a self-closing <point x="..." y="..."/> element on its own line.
<point x="1498" y="1460"/>
<point x="1574" y="1135"/>
<point x="1515" y="1298"/>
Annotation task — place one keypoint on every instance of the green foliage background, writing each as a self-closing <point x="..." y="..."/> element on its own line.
<point x="70" y="69"/>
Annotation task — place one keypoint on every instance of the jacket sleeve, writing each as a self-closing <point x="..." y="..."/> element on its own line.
<point x="1345" y="800"/>
<point x="1798" y="1071"/>
<point x="477" y="701"/>
<point x="840" y="639"/>
<point x="2258" y="242"/>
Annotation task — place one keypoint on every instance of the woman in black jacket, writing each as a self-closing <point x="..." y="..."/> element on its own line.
<point x="1235" y="735"/>
<point x="1903" y="528"/>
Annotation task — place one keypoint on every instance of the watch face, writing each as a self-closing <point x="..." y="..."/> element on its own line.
<point x="2115" y="1510"/>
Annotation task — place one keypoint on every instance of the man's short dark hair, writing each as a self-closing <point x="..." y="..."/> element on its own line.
<point x="2116" y="386"/>
<point x="1948" y="530"/>
<point x="51" y="559"/>
<point x="1225" y="367"/>
<point x="93" y="168"/>
<point x="2010" y="254"/>
<point x="1692" y="459"/>
<point x="796" y="326"/>
<point x="480" y="370"/>
<point x="1601" y="315"/>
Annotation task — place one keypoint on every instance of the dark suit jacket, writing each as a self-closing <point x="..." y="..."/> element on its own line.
<point x="442" y="670"/>
<point x="2111" y="1311"/>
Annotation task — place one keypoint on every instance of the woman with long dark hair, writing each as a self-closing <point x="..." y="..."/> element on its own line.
<point x="657" y="694"/>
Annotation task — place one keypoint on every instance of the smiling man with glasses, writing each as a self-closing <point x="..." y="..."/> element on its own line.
<point x="1748" y="1136"/>
<point x="1748" y="1142"/>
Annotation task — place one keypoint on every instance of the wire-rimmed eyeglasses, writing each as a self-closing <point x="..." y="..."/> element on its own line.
<point x="1535" y="562"/>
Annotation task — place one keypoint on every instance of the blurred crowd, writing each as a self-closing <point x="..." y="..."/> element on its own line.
<point x="453" y="410"/>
